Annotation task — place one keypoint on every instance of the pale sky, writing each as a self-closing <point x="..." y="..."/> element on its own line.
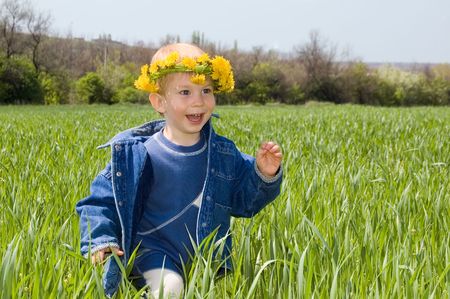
<point x="372" y="30"/>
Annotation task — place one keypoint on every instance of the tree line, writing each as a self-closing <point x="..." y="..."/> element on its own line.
<point x="40" y="68"/>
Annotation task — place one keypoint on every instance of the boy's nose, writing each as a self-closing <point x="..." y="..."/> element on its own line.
<point x="198" y="99"/>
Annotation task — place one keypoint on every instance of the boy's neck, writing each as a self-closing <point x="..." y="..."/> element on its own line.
<point x="181" y="139"/>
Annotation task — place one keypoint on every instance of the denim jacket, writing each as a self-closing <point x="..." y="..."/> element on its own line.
<point x="109" y="215"/>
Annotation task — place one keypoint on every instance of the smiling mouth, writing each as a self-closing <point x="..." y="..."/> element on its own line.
<point x="195" y="118"/>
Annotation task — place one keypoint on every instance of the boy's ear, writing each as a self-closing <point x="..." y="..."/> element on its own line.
<point x="157" y="102"/>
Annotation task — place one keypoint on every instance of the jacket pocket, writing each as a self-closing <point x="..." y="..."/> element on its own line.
<point x="106" y="172"/>
<point x="225" y="168"/>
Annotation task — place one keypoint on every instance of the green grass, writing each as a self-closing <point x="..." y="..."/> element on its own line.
<point x="364" y="210"/>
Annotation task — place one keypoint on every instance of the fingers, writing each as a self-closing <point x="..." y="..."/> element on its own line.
<point x="99" y="256"/>
<point x="271" y="147"/>
<point x="117" y="251"/>
<point x="268" y="158"/>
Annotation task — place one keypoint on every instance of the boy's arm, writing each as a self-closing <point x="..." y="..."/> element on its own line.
<point x="258" y="180"/>
<point x="99" y="223"/>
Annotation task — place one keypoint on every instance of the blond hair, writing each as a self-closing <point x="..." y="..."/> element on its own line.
<point x="185" y="50"/>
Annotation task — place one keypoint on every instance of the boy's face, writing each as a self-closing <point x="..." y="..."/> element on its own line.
<point x="186" y="107"/>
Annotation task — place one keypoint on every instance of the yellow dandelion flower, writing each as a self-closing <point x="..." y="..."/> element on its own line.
<point x="153" y="68"/>
<point x="140" y="82"/>
<point x="160" y="64"/>
<point x="231" y="82"/>
<point x="152" y="87"/>
<point x="222" y="74"/>
<point x="144" y="83"/>
<point x="172" y="59"/>
<point x="189" y="63"/>
<point x="226" y="83"/>
<point x="203" y="58"/>
<point x="144" y="69"/>
<point x="199" y="79"/>
<point x="220" y="67"/>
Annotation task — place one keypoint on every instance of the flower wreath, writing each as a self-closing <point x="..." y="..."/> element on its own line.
<point x="218" y="68"/>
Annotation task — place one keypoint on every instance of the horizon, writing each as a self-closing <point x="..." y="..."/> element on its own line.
<point x="380" y="32"/>
<point x="151" y="45"/>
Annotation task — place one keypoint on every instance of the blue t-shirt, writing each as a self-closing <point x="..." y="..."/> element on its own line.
<point x="168" y="224"/>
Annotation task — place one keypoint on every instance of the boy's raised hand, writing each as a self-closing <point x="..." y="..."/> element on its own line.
<point x="100" y="255"/>
<point x="268" y="158"/>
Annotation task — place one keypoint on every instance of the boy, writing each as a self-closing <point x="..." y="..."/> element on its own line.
<point x="174" y="181"/>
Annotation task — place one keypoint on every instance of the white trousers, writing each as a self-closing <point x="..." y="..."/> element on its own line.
<point x="169" y="282"/>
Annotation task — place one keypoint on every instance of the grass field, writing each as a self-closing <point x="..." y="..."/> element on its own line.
<point x="364" y="210"/>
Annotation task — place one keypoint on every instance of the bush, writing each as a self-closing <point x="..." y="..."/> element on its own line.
<point x="91" y="89"/>
<point x="264" y="84"/>
<point x="119" y="81"/>
<point x="19" y="82"/>
<point x="258" y="92"/>
<point x="56" y="88"/>
<point x="386" y="94"/>
<point x="130" y="95"/>
<point x="427" y="92"/>
<point x="357" y="84"/>
<point x="295" y="95"/>
<point x="325" y="89"/>
<point x="411" y="88"/>
<point x="441" y="89"/>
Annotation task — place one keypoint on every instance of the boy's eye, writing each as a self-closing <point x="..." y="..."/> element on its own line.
<point x="207" y="90"/>
<point x="184" y="92"/>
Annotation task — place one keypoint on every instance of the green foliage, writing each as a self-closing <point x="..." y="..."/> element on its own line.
<point x="354" y="83"/>
<point x="91" y="89"/>
<point x="55" y="87"/>
<point x="119" y="83"/>
<point x="19" y="82"/>
<point x="441" y="91"/>
<point x="441" y="71"/>
<point x="358" y="85"/>
<point x="295" y="95"/>
<point x="324" y="89"/>
<point x="414" y="88"/>
<point x="258" y="92"/>
<point x="363" y="211"/>
<point x="385" y="93"/>
<point x="264" y="84"/>
<point x="130" y="95"/>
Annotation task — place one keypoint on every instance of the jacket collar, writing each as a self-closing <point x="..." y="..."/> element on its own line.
<point x="146" y="130"/>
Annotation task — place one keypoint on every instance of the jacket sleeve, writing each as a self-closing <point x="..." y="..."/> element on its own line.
<point x="99" y="223"/>
<point x="253" y="191"/>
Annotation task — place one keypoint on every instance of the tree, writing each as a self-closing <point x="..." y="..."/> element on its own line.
<point x="317" y="59"/>
<point x="12" y="17"/>
<point x="19" y="83"/>
<point x="18" y="17"/>
<point x="38" y="24"/>
<point x="90" y="89"/>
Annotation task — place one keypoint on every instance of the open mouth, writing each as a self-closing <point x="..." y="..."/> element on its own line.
<point x="195" y="118"/>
